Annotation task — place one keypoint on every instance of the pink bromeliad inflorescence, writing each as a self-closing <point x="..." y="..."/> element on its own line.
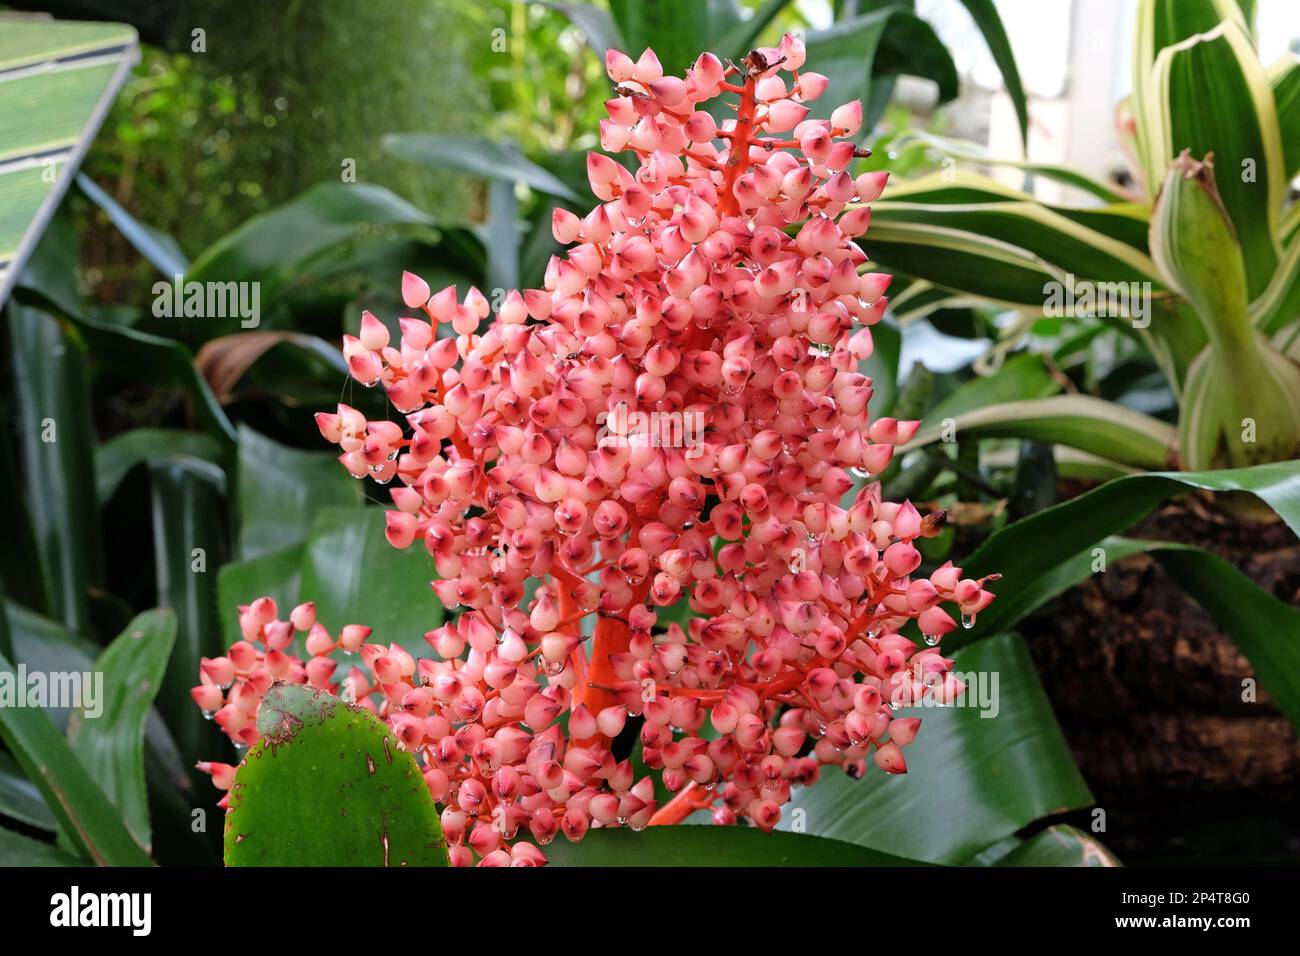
<point x="719" y="284"/>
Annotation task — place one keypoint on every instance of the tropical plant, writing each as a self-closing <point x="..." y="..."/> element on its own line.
<point x="1200" y="273"/>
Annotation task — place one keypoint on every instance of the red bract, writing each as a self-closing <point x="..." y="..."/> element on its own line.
<point x="676" y="417"/>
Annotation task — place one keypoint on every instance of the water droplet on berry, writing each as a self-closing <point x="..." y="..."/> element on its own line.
<point x="932" y="639"/>
<point x="968" y="621"/>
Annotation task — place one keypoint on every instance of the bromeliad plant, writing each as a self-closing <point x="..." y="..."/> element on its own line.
<point x="1212" y="236"/>
<point x="719" y="283"/>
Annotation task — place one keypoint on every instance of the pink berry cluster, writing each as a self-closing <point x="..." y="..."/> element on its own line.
<point x="720" y="281"/>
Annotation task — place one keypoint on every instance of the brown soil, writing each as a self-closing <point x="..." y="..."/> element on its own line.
<point x="1148" y="691"/>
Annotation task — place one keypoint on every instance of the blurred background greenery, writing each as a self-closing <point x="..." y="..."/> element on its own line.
<point x="319" y="148"/>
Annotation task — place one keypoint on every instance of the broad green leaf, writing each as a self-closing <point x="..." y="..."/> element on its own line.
<point x="1059" y="845"/>
<point x="276" y="248"/>
<point x="277" y="574"/>
<point x="55" y="442"/>
<point x="993" y="270"/>
<point x="86" y="816"/>
<point x="189" y="544"/>
<point x="1089" y="424"/>
<point x="135" y="353"/>
<point x="1214" y="97"/>
<point x="367" y="803"/>
<point x="1266" y="629"/>
<point x="690" y="845"/>
<point x="1050" y="539"/>
<point x="1161" y="24"/>
<point x="1068" y="245"/>
<point x="281" y="489"/>
<point x="356" y="577"/>
<point x="845" y="53"/>
<point x="474" y="156"/>
<point x="1016" y="599"/>
<point x="677" y="30"/>
<point x="109" y="740"/>
<point x="19" y="850"/>
<point x="985" y="15"/>
<point x="158" y="248"/>
<point x="44" y="645"/>
<point x="972" y="779"/>
<point x="743" y="37"/>
<point x="975" y="153"/>
<point x="115" y="458"/>
<point x="910" y="46"/>
<point x="1020" y="378"/>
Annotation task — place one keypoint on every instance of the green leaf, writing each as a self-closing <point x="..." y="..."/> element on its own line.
<point x="596" y="25"/>
<point x="1284" y="75"/>
<point x="1059" y="240"/>
<point x="844" y="53"/>
<point x="985" y="15"/>
<point x="18" y="850"/>
<point x="86" y="816"/>
<point x="1059" y="845"/>
<point x="1072" y="525"/>
<point x="276" y="248"/>
<point x="743" y="37"/>
<point x="1020" y="378"/>
<point x="677" y="30"/>
<point x="356" y="577"/>
<point x="115" y="458"/>
<point x="20" y="800"/>
<point x="55" y="442"/>
<point x="502" y="236"/>
<point x="367" y="803"/>
<point x="1266" y="629"/>
<point x="281" y="489"/>
<point x="971" y="779"/>
<point x="1089" y="424"/>
<point x="21" y="577"/>
<point x="1161" y="24"/>
<point x="158" y="248"/>
<point x="110" y="742"/>
<point x="882" y="366"/>
<point x="975" y="153"/>
<point x="691" y="845"/>
<point x="189" y="542"/>
<point x="474" y="156"/>
<point x="910" y="46"/>
<point x="1214" y="97"/>
<point x="135" y="353"/>
<point x="1279" y="305"/>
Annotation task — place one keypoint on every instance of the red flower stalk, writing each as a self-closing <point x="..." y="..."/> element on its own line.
<point x="676" y="417"/>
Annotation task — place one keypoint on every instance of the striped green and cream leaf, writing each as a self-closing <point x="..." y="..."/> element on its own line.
<point x="1092" y="425"/>
<point x="1214" y="97"/>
